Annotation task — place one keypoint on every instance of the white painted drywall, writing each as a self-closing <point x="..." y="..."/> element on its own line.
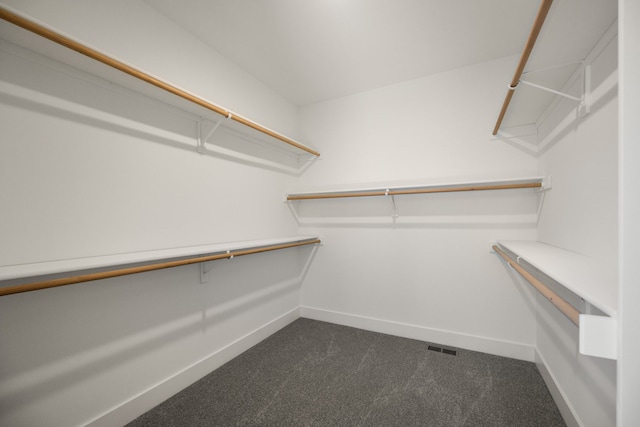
<point x="629" y="292"/>
<point x="87" y="169"/>
<point x="580" y="214"/>
<point x="433" y="277"/>
<point x="75" y="185"/>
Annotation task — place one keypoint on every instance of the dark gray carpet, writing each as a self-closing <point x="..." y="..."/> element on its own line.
<point x="319" y="374"/>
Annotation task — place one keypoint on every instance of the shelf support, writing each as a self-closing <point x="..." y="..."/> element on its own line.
<point x="557" y="92"/>
<point x="306" y="163"/>
<point x="584" y="99"/>
<point x="586" y="102"/>
<point x="598" y="336"/>
<point x="546" y="184"/>
<point x="203" y="140"/>
<point x="204" y="271"/>
<point x="394" y="212"/>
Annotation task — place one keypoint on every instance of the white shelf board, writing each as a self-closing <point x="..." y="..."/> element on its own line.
<point x="78" y="264"/>
<point x="580" y="274"/>
<point x="526" y="180"/>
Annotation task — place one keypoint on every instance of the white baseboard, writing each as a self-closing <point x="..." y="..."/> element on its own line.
<point x="566" y="410"/>
<point x="455" y="339"/>
<point x="144" y="401"/>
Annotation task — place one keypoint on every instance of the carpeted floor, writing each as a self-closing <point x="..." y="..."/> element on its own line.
<point x="319" y="374"/>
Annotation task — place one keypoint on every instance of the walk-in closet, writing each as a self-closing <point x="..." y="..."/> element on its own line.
<point x="319" y="213"/>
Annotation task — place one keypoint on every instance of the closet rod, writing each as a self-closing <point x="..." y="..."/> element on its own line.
<point x="562" y="305"/>
<point x="114" y="63"/>
<point x="28" y="287"/>
<point x="545" y="5"/>
<point x="392" y="192"/>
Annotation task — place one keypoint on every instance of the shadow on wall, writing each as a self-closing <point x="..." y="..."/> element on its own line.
<point x="59" y="337"/>
<point x="570" y="123"/>
<point x="57" y="90"/>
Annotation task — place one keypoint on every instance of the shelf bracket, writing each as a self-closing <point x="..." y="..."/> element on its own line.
<point x="203" y="140"/>
<point x="557" y="92"/>
<point x="306" y="162"/>
<point x="553" y="67"/>
<point x="584" y="99"/>
<point x="597" y="336"/>
<point x="394" y="212"/>
<point x="586" y="96"/>
<point x="204" y="271"/>
<point x="588" y="307"/>
<point x="546" y="184"/>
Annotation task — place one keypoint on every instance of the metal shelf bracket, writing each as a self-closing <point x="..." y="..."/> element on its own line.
<point x="584" y="99"/>
<point x="204" y="271"/>
<point x="202" y="140"/>
<point x="546" y="184"/>
<point x="394" y="212"/>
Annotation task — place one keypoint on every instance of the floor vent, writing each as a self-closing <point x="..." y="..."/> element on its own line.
<point x="443" y="350"/>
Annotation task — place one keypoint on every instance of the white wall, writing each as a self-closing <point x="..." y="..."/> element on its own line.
<point x="430" y="275"/>
<point x="71" y="175"/>
<point x="87" y="169"/>
<point x="629" y="292"/>
<point x="580" y="215"/>
<point x="431" y="128"/>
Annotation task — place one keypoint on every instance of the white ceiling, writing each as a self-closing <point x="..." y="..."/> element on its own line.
<point x="309" y="51"/>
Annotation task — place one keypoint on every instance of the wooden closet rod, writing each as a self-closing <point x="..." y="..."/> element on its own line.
<point x="28" y="287"/>
<point x="561" y="304"/>
<point x="545" y="5"/>
<point x="111" y="62"/>
<point x="397" y="192"/>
